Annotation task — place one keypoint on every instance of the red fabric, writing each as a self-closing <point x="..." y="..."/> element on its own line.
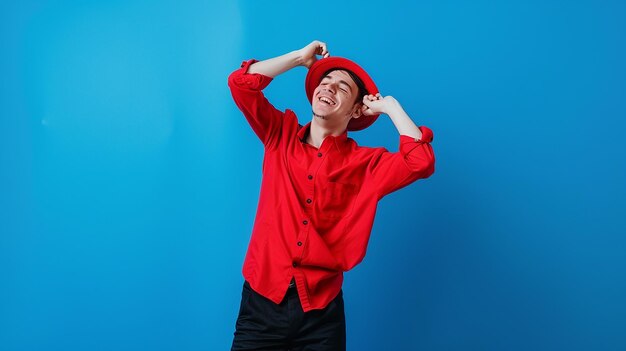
<point x="316" y="207"/>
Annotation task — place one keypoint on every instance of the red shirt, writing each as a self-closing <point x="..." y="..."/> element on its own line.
<point x="316" y="208"/>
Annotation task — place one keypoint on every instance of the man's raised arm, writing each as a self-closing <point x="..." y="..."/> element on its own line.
<point x="246" y="85"/>
<point x="303" y="57"/>
<point x="415" y="158"/>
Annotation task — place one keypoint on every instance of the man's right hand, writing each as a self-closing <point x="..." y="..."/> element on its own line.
<point x="309" y="52"/>
<point x="303" y="57"/>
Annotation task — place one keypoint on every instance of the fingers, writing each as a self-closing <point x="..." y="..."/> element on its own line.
<point x="324" y="50"/>
<point x="371" y="97"/>
<point x="321" y="48"/>
<point x="366" y="110"/>
<point x="367" y="104"/>
<point x="373" y="104"/>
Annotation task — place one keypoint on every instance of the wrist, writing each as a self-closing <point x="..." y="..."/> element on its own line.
<point x="393" y="108"/>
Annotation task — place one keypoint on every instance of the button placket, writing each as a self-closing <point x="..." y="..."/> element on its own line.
<point x="305" y="223"/>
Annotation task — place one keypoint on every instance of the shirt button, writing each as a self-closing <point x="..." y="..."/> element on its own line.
<point x="310" y="176"/>
<point x="308" y="201"/>
<point x="319" y="154"/>
<point x="305" y="222"/>
<point x="299" y="244"/>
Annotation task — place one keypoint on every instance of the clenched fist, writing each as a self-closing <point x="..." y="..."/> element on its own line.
<point x="308" y="53"/>
<point x="375" y="104"/>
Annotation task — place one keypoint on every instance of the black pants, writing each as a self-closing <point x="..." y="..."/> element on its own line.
<point x="264" y="325"/>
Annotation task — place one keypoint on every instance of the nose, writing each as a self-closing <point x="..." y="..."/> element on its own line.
<point x="331" y="87"/>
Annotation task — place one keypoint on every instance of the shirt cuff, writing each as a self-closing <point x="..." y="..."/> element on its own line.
<point x="253" y="81"/>
<point x="427" y="136"/>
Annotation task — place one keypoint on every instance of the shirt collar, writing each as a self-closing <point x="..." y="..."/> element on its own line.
<point x="339" y="141"/>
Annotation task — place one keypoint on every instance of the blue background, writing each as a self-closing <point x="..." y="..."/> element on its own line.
<point x="129" y="179"/>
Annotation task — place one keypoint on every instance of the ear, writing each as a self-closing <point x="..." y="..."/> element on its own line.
<point x="357" y="111"/>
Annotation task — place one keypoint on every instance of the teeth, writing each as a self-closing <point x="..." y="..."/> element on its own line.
<point x="326" y="100"/>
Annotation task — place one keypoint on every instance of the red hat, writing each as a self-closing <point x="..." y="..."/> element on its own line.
<point x="321" y="66"/>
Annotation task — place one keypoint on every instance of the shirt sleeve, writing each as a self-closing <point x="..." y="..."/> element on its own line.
<point x="246" y="89"/>
<point x="415" y="160"/>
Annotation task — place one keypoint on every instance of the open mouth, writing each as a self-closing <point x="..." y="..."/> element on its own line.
<point x="327" y="101"/>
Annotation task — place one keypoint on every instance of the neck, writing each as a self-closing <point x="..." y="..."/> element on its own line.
<point x="318" y="133"/>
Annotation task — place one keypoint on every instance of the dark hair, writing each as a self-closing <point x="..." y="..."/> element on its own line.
<point x="355" y="78"/>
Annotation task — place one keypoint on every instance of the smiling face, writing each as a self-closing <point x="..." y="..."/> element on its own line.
<point x="336" y="100"/>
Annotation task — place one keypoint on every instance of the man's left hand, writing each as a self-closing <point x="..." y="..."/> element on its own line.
<point x="375" y="104"/>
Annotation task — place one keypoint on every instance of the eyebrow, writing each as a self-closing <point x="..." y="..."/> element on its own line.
<point x="341" y="81"/>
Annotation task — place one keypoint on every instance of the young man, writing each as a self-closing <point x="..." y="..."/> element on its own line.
<point x="318" y="197"/>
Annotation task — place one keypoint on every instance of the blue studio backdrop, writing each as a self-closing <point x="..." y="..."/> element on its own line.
<point x="129" y="179"/>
